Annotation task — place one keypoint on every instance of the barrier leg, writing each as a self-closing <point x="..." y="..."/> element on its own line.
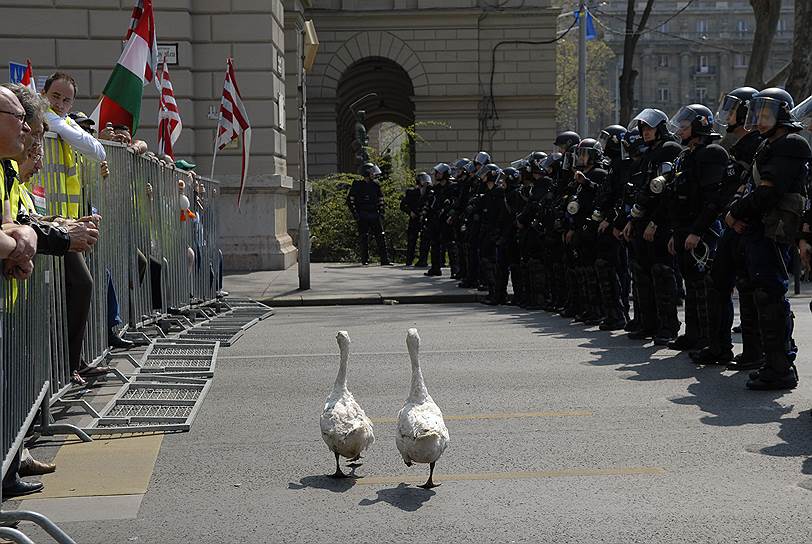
<point x="47" y="525"/>
<point x="46" y="428"/>
<point x="15" y="536"/>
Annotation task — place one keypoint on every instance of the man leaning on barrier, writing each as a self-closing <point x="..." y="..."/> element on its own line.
<point x="60" y="91"/>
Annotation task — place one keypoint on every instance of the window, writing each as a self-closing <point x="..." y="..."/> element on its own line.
<point x="701" y="26"/>
<point x="740" y="61"/>
<point x="782" y="26"/>
<point x="741" y="27"/>
<point x="663" y="94"/>
<point x="701" y="94"/>
<point x="663" y="61"/>
<point x="702" y="66"/>
<point x="663" y="27"/>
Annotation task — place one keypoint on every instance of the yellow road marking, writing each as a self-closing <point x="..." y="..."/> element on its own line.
<point x="497" y="415"/>
<point x="110" y="465"/>
<point x="488" y="476"/>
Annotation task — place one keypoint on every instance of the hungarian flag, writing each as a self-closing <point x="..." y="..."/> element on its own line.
<point x="120" y="103"/>
<point x="169" y="123"/>
<point x="28" y="78"/>
<point x="233" y="122"/>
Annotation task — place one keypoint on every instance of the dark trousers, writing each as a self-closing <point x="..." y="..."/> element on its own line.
<point x="414" y="232"/>
<point x="371" y="225"/>
<point x="78" y="292"/>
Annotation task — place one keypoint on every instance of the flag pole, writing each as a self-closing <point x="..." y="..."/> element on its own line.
<point x="216" y="129"/>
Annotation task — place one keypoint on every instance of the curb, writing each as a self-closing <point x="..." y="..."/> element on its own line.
<point x="298" y="301"/>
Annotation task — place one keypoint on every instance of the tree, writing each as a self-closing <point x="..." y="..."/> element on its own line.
<point x="629" y="74"/>
<point x="597" y="90"/>
<point x="799" y="82"/>
<point x="767" y="13"/>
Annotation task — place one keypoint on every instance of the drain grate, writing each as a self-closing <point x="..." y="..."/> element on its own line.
<point x="151" y="407"/>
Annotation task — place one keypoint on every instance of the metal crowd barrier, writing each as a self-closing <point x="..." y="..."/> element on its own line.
<point x="141" y="233"/>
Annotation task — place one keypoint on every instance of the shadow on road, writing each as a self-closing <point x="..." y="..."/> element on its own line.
<point x="404" y="496"/>
<point x="336" y="485"/>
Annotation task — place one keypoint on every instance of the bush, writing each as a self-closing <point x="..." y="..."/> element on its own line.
<point x="334" y="232"/>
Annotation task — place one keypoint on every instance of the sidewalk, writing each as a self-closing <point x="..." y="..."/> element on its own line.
<point x="342" y="284"/>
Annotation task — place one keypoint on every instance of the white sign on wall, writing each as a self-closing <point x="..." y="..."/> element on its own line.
<point x="168" y="51"/>
<point x="282" y="111"/>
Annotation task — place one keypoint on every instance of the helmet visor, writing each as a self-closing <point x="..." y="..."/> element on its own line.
<point x="482" y="158"/>
<point x="680" y="123"/>
<point x="726" y="114"/>
<point x="762" y="114"/>
<point x="423" y="178"/>
<point x="549" y="161"/>
<point x="604" y="139"/>
<point x="649" y="117"/>
<point x="802" y="113"/>
<point x="583" y="157"/>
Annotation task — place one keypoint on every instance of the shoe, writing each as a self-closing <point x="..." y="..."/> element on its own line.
<point x="612" y="324"/>
<point x="641" y="334"/>
<point x="632" y="325"/>
<point x="482" y="288"/>
<point x="387" y="263"/>
<point x="683" y="343"/>
<point x="20" y="488"/>
<point x="87" y="370"/>
<point x="421" y="264"/>
<point x="490" y="301"/>
<point x="35" y="468"/>
<point x="760" y="383"/>
<point x="431" y="272"/>
<point x="76" y="379"/>
<point x="745" y="364"/>
<point x="737" y="329"/>
<point x="466" y="285"/>
<point x="707" y="356"/>
<point x="117" y="342"/>
<point x="664" y="339"/>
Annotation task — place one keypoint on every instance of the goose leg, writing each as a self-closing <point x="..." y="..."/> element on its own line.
<point x="338" y="473"/>
<point x="354" y="461"/>
<point x="429" y="484"/>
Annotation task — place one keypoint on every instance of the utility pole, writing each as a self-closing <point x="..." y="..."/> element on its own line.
<point x="310" y="46"/>
<point x="583" y="129"/>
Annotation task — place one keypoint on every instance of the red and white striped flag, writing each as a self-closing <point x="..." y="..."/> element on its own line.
<point x="233" y="123"/>
<point x="28" y="78"/>
<point x="169" y="123"/>
<point x="152" y="61"/>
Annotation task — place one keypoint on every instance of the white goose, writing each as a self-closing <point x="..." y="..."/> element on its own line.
<point x="345" y="427"/>
<point x="421" y="435"/>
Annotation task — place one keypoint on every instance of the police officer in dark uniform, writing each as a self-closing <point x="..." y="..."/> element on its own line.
<point x="470" y="224"/>
<point x="440" y="220"/>
<point x="692" y="196"/>
<point x="565" y="143"/>
<point x="491" y="211"/>
<point x="365" y="201"/>
<point x="411" y="203"/>
<point x="728" y="270"/>
<point x="463" y="180"/>
<point x="508" y="259"/>
<point x="769" y="219"/>
<point x="653" y="266"/>
<point x="611" y="263"/>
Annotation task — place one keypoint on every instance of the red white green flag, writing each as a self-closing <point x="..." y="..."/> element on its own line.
<point x="120" y="102"/>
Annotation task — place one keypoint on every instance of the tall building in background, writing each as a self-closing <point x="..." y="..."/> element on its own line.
<point x="695" y="56"/>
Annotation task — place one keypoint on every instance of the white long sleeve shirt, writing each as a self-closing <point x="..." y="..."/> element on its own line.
<point x="79" y="139"/>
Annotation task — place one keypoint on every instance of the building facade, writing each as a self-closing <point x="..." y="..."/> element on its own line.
<point x="446" y="67"/>
<point x="694" y="57"/>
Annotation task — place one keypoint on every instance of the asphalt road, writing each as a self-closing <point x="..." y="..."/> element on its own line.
<point x="557" y="435"/>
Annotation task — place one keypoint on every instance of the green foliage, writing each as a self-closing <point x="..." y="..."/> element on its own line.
<point x="334" y="232"/>
<point x="597" y="89"/>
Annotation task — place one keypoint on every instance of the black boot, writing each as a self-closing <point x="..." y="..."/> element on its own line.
<point x="116" y="341"/>
<point x="688" y="340"/>
<point x="645" y="309"/>
<point x="609" y="287"/>
<point x="752" y="355"/>
<point x="665" y="289"/>
<point x="775" y="325"/>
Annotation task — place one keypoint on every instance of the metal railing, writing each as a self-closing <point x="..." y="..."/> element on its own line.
<point x="141" y="234"/>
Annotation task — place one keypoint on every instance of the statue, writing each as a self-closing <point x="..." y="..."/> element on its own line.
<point x="361" y="139"/>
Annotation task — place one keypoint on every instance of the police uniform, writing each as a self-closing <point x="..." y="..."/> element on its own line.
<point x="365" y="200"/>
<point x="411" y="203"/>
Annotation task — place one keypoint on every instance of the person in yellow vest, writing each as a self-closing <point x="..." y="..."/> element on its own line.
<point x="60" y="91"/>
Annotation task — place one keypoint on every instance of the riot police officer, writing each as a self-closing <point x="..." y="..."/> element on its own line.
<point x="440" y="221"/>
<point x="366" y="203"/>
<point x="728" y="270"/>
<point x="692" y="197"/>
<point x="412" y="203"/>
<point x="491" y="211"/>
<point x="769" y="219"/>
<point x="653" y="266"/>
<point x="508" y="262"/>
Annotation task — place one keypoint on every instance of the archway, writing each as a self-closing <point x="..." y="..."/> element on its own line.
<point x="393" y="102"/>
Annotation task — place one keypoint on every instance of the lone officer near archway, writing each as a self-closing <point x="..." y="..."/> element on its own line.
<point x="366" y="204"/>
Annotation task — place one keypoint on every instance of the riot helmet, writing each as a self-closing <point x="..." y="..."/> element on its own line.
<point x="692" y="121"/>
<point x="770" y="109"/>
<point x="588" y="153"/>
<point x="370" y="170"/>
<point x="567" y="140"/>
<point x="535" y="160"/>
<point x="552" y="163"/>
<point x="511" y="177"/>
<point x="611" y="138"/>
<point x="732" y="110"/>
<point x="459" y="167"/>
<point x="423" y="179"/>
<point x="652" y="118"/>
<point x="802" y="113"/>
<point x="489" y="173"/>
<point x="632" y="146"/>
<point x="441" y="172"/>
<point x="482" y="158"/>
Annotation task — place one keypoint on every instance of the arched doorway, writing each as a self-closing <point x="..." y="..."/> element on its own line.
<point x="393" y="102"/>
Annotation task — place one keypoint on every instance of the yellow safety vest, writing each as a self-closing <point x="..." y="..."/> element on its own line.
<point x="69" y="188"/>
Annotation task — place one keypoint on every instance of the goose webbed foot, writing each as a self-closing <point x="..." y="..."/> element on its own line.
<point x="430" y="483"/>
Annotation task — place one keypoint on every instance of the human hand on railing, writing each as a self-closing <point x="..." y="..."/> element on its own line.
<point x="83" y="235"/>
<point x="105" y="169"/>
<point x="95" y="219"/>
<point x="26" y="240"/>
<point x="18" y="270"/>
